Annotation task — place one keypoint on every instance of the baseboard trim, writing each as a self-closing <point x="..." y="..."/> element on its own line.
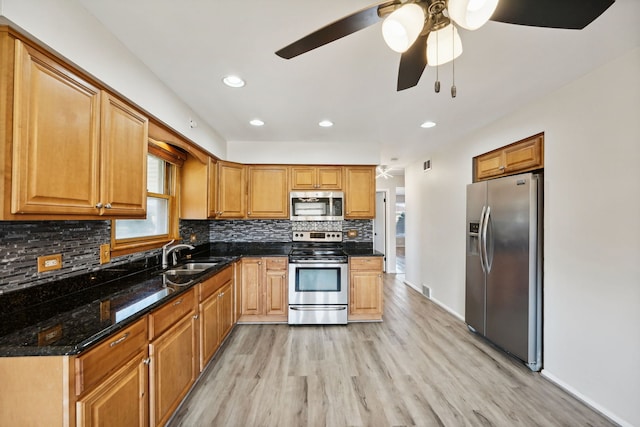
<point x="437" y="302"/>
<point x="584" y="399"/>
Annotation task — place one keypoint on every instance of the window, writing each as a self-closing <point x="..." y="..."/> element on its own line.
<point x="161" y="223"/>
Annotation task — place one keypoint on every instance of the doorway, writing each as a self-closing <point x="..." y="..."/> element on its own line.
<point x="380" y="227"/>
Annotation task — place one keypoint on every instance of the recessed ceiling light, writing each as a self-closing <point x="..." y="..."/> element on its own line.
<point x="325" y="123"/>
<point x="428" y="124"/>
<point x="233" y="81"/>
<point x="256" y="122"/>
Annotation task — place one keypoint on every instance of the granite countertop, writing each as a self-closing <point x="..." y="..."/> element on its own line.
<point x="71" y="311"/>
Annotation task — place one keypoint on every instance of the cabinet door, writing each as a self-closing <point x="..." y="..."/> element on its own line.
<point x="174" y="368"/>
<point x="526" y="155"/>
<point x="252" y="298"/>
<point x="225" y="310"/>
<point x="329" y="178"/>
<point x="198" y="189"/>
<point x="303" y="178"/>
<point x="276" y="289"/>
<point x="120" y="400"/>
<point x="360" y="192"/>
<point x="489" y="165"/>
<point x="209" y="329"/>
<point x="56" y="138"/>
<point x="268" y="192"/>
<point x="123" y="159"/>
<point x="365" y="301"/>
<point x="231" y="191"/>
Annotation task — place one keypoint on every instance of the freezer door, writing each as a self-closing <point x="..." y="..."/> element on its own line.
<point x="475" y="278"/>
<point x="512" y="279"/>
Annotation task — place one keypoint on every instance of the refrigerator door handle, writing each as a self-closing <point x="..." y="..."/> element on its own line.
<point x="480" y="244"/>
<point x="485" y="225"/>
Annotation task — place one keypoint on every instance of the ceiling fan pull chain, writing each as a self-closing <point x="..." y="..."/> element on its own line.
<point x="454" y="90"/>
<point x="436" y="86"/>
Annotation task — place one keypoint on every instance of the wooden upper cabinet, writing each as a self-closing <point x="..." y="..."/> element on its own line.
<point x="268" y="192"/>
<point x="56" y="138"/>
<point x="124" y="136"/>
<point x="231" y="200"/>
<point x="316" y="178"/>
<point x="77" y="151"/>
<point x="198" y="188"/>
<point x="522" y="156"/>
<point x="359" y="192"/>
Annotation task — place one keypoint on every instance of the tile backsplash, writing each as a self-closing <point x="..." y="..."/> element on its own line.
<point x="21" y="243"/>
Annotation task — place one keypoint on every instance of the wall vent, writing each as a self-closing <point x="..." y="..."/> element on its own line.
<point x="426" y="166"/>
<point x="426" y="291"/>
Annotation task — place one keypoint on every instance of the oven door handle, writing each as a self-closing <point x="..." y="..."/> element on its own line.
<point x="319" y="307"/>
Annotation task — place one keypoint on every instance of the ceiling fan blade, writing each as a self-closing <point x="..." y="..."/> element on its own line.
<point x="413" y="63"/>
<point x="341" y="28"/>
<point x="568" y="14"/>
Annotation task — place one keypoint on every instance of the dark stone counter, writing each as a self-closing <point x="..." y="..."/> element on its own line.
<point x="70" y="311"/>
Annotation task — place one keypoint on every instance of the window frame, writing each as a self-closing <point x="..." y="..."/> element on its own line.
<point x="174" y="158"/>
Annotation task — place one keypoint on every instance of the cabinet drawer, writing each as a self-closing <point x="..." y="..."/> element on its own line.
<point x="277" y="263"/>
<point x="162" y="319"/>
<point x="211" y="285"/>
<point x="108" y="356"/>
<point x="366" y="263"/>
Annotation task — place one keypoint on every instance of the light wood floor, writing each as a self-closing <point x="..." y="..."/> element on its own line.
<point x="421" y="366"/>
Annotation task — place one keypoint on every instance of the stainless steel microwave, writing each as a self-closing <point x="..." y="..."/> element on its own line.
<point x="317" y="206"/>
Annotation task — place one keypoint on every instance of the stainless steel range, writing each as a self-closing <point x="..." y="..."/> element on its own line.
<point x="318" y="279"/>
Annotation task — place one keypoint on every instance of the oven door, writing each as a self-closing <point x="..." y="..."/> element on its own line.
<point x="318" y="283"/>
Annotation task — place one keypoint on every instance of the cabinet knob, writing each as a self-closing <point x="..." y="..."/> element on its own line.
<point x="99" y="205"/>
<point x="107" y="206"/>
<point x="178" y="302"/>
<point x="146" y="361"/>
<point x="248" y="213"/>
<point x="195" y="316"/>
<point x="501" y="168"/>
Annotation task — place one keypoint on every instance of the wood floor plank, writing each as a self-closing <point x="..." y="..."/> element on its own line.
<point x="420" y="367"/>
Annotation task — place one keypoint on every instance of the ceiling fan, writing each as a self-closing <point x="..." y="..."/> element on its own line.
<point x="424" y="31"/>
<point x="383" y="171"/>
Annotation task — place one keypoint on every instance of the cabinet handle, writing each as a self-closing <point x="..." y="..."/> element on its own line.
<point x="259" y="262"/>
<point x="178" y="302"/>
<point x="221" y="295"/>
<point x="501" y="168"/>
<point x="119" y="340"/>
<point x="195" y="316"/>
<point x="108" y="206"/>
<point x="147" y="361"/>
<point x="99" y="205"/>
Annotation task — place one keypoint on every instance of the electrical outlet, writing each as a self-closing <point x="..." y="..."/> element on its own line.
<point x="193" y="238"/>
<point x="105" y="253"/>
<point x="49" y="262"/>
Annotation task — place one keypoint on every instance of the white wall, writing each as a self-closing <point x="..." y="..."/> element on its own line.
<point x="71" y="31"/>
<point x="296" y="152"/>
<point x="592" y="236"/>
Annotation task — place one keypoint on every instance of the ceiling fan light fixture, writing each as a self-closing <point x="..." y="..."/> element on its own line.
<point x="402" y="27"/>
<point x="471" y="14"/>
<point x="443" y="45"/>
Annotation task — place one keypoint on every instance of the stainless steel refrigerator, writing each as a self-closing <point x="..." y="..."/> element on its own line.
<point x="504" y="264"/>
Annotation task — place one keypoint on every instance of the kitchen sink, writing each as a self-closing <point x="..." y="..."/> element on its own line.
<point x="190" y="268"/>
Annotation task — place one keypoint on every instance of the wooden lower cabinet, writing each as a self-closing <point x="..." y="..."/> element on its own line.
<point x="365" y="288"/>
<point x="216" y="313"/>
<point x="174" y="362"/>
<point x="263" y="288"/>
<point x="120" y="400"/>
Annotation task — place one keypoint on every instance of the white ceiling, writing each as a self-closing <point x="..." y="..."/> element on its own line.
<point x="192" y="44"/>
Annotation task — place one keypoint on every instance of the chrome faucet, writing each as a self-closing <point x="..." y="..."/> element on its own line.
<point x="166" y="250"/>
